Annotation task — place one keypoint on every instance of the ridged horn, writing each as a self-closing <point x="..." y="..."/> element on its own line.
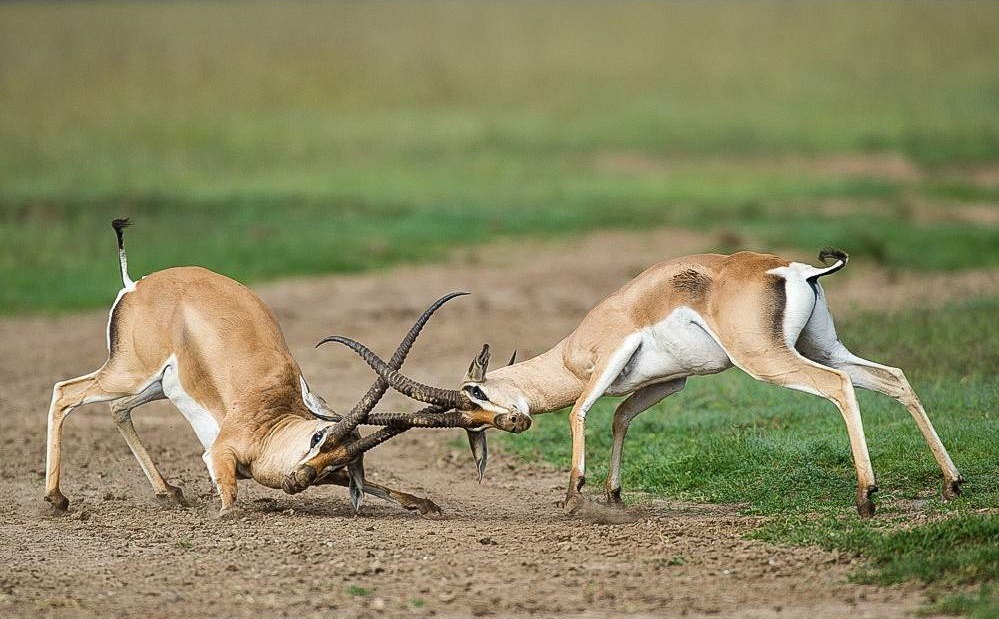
<point x="448" y="398"/>
<point x="360" y="411"/>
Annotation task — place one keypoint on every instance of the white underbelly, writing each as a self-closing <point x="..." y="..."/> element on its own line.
<point x="202" y="421"/>
<point x="676" y="347"/>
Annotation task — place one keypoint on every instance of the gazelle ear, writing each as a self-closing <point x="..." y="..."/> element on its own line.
<point x="477" y="370"/>
<point x="513" y="358"/>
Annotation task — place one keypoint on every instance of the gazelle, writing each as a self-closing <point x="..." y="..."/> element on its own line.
<point x="211" y="346"/>
<point x="691" y="316"/>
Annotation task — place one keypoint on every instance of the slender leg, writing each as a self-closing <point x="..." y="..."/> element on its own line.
<point x="221" y="461"/>
<point x="341" y="477"/>
<point x="785" y="367"/>
<point x="892" y="382"/>
<point x="66" y="396"/>
<point x="600" y="381"/>
<point x="820" y="343"/>
<point x="121" y="411"/>
<point x="638" y="402"/>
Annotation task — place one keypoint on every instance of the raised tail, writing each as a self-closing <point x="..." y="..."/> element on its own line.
<point x="119" y="226"/>
<point x="839" y="258"/>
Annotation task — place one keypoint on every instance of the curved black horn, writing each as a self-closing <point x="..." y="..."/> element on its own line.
<point x="449" y="398"/>
<point x="397" y="424"/>
<point x="429" y="417"/>
<point x="360" y="411"/>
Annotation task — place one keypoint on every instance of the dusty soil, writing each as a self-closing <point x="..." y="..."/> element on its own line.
<point x="501" y="548"/>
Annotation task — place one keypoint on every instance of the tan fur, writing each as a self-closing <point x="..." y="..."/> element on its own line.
<point x="231" y="359"/>
<point x="742" y="305"/>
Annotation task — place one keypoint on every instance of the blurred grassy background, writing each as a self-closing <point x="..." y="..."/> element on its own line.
<point x="263" y="140"/>
<point x="271" y="139"/>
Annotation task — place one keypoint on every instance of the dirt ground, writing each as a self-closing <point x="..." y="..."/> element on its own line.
<point x="502" y="548"/>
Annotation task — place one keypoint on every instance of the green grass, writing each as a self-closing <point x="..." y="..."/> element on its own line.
<point x="980" y="604"/>
<point x="785" y="455"/>
<point x="55" y="256"/>
<point x="266" y="140"/>
<point x="357" y="591"/>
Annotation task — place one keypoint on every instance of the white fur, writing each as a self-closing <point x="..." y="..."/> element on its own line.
<point x="121" y="293"/>
<point x="202" y="421"/>
<point x="799" y="298"/>
<point x="677" y="346"/>
<point x="312" y="402"/>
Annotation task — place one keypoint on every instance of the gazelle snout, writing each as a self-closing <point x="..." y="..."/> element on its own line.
<point x="514" y="422"/>
<point x="299" y="479"/>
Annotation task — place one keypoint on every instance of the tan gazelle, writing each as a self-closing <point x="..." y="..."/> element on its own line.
<point x="691" y="316"/>
<point x="211" y="346"/>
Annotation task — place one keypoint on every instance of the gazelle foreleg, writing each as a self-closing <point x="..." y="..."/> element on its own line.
<point x="121" y="412"/>
<point x="221" y="461"/>
<point x="634" y="405"/>
<point x="601" y="379"/>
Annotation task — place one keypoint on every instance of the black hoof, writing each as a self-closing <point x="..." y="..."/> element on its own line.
<point x="173" y="496"/>
<point x="614" y="498"/>
<point x="59" y="503"/>
<point x="952" y="488"/>
<point x="865" y="506"/>
<point x="573" y="503"/>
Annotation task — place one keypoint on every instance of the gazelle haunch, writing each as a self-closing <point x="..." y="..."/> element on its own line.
<point x="692" y="316"/>
<point x="211" y="346"/>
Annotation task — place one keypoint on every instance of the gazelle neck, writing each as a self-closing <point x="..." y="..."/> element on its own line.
<point x="544" y="381"/>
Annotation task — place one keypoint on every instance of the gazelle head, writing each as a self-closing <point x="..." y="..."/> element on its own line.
<point x="334" y="445"/>
<point x="481" y="403"/>
<point x="302" y="466"/>
<point x="495" y="396"/>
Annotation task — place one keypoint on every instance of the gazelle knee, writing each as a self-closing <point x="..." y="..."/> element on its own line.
<point x="121" y="415"/>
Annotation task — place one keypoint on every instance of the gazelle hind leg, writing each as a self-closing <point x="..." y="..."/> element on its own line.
<point x="412" y="503"/>
<point x="121" y="412"/>
<point x="67" y="395"/>
<point x="892" y="382"/>
<point x="785" y="367"/>
<point x="820" y="343"/>
<point x="637" y="403"/>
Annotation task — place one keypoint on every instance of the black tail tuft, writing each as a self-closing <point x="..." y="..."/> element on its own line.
<point x="829" y="254"/>
<point x="119" y="225"/>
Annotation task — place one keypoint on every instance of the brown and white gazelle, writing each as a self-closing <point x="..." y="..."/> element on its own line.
<point x="211" y="346"/>
<point x="691" y="316"/>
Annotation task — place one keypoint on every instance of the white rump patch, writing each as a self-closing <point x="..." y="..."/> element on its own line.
<point x="201" y="420"/>
<point x="800" y="298"/>
<point x="121" y="293"/>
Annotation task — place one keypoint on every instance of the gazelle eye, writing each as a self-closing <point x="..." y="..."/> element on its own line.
<point x="476" y="392"/>
<point x="318" y="436"/>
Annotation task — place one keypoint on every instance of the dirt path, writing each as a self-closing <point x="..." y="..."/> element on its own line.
<point x="502" y="548"/>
